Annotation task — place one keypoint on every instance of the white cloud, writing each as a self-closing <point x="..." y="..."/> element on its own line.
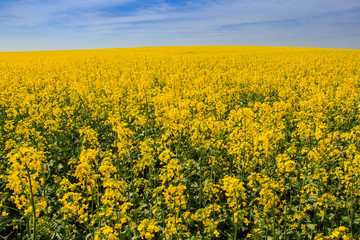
<point x="40" y="12"/>
<point x="198" y="22"/>
<point x="215" y="13"/>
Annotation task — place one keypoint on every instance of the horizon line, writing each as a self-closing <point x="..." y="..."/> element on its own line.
<point x="172" y="46"/>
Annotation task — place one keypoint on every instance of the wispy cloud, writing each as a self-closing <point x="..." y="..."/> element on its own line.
<point x="41" y="12"/>
<point x="171" y="22"/>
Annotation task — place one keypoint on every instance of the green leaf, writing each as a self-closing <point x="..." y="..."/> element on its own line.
<point x="346" y="219"/>
<point x="311" y="226"/>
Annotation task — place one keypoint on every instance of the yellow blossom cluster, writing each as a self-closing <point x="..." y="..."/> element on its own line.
<point x="222" y="142"/>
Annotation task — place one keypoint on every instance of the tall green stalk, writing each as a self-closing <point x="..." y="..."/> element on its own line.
<point x="32" y="203"/>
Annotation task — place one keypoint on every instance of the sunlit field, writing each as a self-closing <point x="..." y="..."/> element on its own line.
<point x="180" y="143"/>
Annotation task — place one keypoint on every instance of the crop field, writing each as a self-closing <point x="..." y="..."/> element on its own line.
<point x="192" y="143"/>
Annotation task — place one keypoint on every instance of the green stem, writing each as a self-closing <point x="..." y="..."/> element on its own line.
<point x="236" y="228"/>
<point x="92" y="215"/>
<point x="32" y="203"/>
<point x="351" y="209"/>
<point x="235" y="222"/>
<point x="274" y="215"/>
<point x="200" y="183"/>
<point x="28" y="228"/>
<point x="177" y="234"/>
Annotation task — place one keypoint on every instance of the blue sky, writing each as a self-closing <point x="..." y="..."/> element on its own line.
<point x="83" y="24"/>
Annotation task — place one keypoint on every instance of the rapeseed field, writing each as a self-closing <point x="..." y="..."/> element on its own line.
<point x="192" y="143"/>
